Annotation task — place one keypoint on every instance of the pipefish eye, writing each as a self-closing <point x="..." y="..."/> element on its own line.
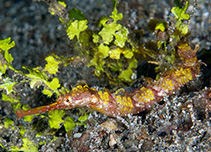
<point x="68" y="100"/>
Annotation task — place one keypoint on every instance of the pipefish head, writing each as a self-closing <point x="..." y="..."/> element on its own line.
<point x="63" y="102"/>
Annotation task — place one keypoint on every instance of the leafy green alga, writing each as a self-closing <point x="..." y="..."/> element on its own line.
<point x="180" y="15"/>
<point x="38" y="76"/>
<point x="8" y="85"/>
<point x="69" y="124"/>
<point x="84" y="117"/>
<point x="8" y="123"/>
<point x="6" y="44"/>
<point x="75" y="13"/>
<point x="160" y="26"/>
<point x="104" y="50"/>
<point x="54" y="85"/>
<point x="28" y="146"/>
<point x="3" y="68"/>
<point x="115" y="53"/>
<point x="121" y="37"/>
<point x="55" y="118"/>
<point x="8" y="57"/>
<point x="126" y="74"/>
<point x="180" y="12"/>
<point x="7" y="98"/>
<point x="75" y="28"/>
<point x="52" y="66"/>
<point x="109" y="29"/>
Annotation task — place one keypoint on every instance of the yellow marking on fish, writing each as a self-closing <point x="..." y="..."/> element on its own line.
<point x="105" y="104"/>
<point x="76" y="89"/>
<point x="104" y="95"/>
<point x="119" y="90"/>
<point x="118" y="99"/>
<point x="93" y="89"/>
<point x="188" y="74"/>
<point x="85" y="87"/>
<point x="146" y="96"/>
<point x="184" y="75"/>
<point x="125" y="103"/>
<point x="168" y="84"/>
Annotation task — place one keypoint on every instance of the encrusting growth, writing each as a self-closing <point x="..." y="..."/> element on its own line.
<point x="122" y="103"/>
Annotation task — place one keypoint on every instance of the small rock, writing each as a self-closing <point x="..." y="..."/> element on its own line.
<point x="112" y="141"/>
<point x="77" y="135"/>
<point x="110" y="125"/>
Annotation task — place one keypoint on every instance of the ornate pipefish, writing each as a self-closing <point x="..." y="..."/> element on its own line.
<point x="122" y="103"/>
